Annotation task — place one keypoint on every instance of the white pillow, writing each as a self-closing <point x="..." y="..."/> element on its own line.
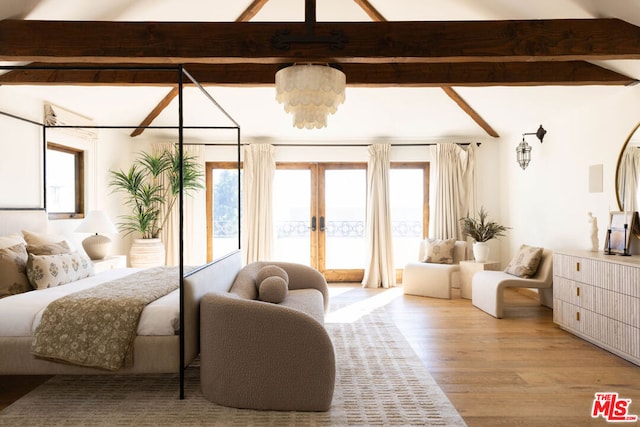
<point x="47" y="271"/>
<point x="11" y="240"/>
<point x="38" y="239"/>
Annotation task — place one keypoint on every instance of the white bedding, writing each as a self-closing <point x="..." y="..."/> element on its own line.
<point x="21" y="314"/>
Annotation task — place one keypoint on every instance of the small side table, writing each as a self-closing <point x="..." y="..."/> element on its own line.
<point x="109" y="263"/>
<point x="468" y="269"/>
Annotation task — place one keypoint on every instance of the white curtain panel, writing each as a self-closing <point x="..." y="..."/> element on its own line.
<point x="628" y="176"/>
<point x="455" y="189"/>
<point x="195" y="219"/>
<point x="257" y="219"/>
<point x="379" y="272"/>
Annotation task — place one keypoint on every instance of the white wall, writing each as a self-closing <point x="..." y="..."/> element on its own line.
<point x="547" y="203"/>
<point x="112" y="149"/>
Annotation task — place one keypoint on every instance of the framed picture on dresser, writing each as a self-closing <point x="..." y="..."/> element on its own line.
<point x="617" y="240"/>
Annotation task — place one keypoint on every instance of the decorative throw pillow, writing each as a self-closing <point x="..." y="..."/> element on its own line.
<point x="50" y="248"/>
<point x="13" y="277"/>
<point x="33" y="238"/>
<point x="438" y="251"/>
<point x="525" y="263"/>
<point x="273" y="289"/>
<point x="46" y="271"/>
<point x="11" y="240"/>
<point x="271" y="270"/>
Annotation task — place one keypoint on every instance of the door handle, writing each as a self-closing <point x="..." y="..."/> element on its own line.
<point x="321" y="223"/>
<point x="313" y="223"/>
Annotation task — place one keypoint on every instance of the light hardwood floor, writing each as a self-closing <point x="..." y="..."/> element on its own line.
<point x="518" y="371"/>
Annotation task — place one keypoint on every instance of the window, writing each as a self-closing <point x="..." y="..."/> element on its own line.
<point x="65" y="182"/>
<point x="409" y="193"/>
<point x="223" y="217"/>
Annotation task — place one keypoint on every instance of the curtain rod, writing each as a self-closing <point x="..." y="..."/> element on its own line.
<point x="424" y="144"/>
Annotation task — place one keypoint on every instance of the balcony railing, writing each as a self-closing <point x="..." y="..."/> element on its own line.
<point x="346" y="229"/>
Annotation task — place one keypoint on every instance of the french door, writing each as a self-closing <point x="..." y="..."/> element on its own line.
<point x="319" y="216"/>
<point x="320" y="213"/>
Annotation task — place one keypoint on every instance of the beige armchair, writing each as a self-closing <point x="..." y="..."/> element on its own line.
<point x="431" y="279"/>
<point x="488" y="286"/>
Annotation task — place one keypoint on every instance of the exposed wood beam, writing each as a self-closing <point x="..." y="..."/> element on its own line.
<point x="251" y="10"/>
<point x="377" y="16"/>
<point x="470" y="111"/>
<point x="368" y="42"/>
<point x="370" y="75"/>
<point x="245" y="16"/>
<point x="371" y="11"/>
<point x="156" y="111"/>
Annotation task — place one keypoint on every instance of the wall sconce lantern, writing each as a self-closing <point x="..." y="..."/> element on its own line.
<point x="523" y="150"/>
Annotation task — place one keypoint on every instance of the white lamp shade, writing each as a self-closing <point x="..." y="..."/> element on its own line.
<point x="97" y="222"/>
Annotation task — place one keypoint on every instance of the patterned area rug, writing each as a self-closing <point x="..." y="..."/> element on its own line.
<point x="380" y="382"/>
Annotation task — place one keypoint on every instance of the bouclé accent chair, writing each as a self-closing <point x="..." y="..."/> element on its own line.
<point x="431" y="279"/>
<point x="488" y="286"/>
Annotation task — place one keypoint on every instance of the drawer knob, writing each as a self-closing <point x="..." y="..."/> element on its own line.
<point x="578" y="316"/>
<point x="578" y="291"/>
<point x="577" y="266"/>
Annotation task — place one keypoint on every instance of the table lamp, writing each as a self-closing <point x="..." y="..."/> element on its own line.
<point x="96" y="245"/>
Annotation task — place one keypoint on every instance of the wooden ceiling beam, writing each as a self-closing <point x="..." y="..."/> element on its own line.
<point x="470" y="111"/>
<point x="370" y="10"/>
<point x="475" y="74"/>
<point x="377" y="16"/>
<point x="366" y="42"/>
<point x="251" y="10"/>
<point x="164" y="102"/>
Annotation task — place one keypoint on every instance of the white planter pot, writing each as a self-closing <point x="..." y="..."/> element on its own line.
<point x="147" y="253"/>
<point x="481" y="251"/>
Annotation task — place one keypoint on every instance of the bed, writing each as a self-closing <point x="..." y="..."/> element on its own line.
<point x="156" y="346"/>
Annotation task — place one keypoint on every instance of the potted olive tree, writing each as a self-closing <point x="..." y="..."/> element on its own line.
<point x="481" y="230"/>
<point x="151" y="186"/>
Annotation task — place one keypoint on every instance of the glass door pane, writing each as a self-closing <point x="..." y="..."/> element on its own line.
<point x="345" y="193"/>
<point x="406" y="188"/>
<point x="292" y="215"/>
<point x="224" y="214"/>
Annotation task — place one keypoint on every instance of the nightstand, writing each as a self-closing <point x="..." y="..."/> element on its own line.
<point x="468" y="269"/>
<point x="109" y="263"/>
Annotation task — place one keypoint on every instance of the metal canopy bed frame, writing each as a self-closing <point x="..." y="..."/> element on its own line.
<point x="181" y="74"/>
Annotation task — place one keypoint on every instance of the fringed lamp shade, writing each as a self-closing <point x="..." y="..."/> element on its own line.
<point x="310" y="93"/>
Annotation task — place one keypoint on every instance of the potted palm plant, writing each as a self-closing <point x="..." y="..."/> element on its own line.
<point x="151" y="186"/>
<point x="481" y="230"/>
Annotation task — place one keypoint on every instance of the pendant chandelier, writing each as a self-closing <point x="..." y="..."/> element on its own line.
<point x="310" y="93"/>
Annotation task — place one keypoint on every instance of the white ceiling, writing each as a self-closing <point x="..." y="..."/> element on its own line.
<point x="404" y="114"/>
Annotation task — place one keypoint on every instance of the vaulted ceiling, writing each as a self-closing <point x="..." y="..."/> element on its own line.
<point x="415" y="69"/>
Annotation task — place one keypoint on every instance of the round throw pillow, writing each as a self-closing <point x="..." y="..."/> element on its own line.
<point x="273" y="289"/>
<point x="271" y="270"/>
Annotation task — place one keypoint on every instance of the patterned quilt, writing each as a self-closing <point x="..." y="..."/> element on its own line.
<point x="96" y="327"/>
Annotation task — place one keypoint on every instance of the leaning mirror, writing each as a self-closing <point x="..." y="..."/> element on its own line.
<point x="628" y="173"/>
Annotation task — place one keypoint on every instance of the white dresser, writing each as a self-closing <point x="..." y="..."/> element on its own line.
<point x="597" y="297"/>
